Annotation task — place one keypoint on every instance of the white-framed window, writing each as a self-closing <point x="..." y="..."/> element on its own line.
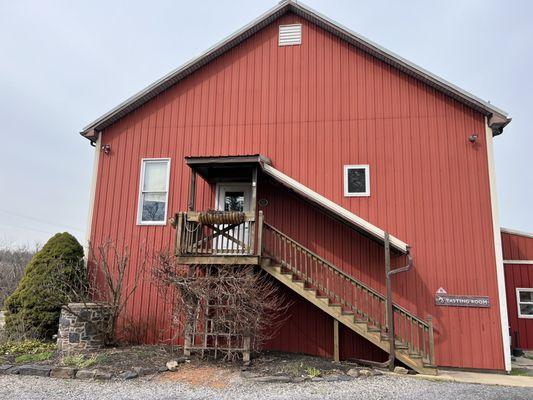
<point x="524" y="302"/>
<point x="357" y="180"/>
<point x="153" y="191"/>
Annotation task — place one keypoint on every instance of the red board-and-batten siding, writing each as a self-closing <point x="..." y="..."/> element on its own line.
<point x="518" y="247"/>
<point x="312" y="109"/>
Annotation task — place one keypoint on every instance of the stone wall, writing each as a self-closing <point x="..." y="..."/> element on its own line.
<point x="82" y="327"/>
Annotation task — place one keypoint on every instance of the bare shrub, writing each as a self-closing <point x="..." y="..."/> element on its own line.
<point x="107" y="279"/>
<point x="221" y="307"/>
<point x="112" y="265"/>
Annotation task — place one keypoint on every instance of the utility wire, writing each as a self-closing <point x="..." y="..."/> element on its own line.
<point x="26" y="228"/>
<point x="41" y="220"/>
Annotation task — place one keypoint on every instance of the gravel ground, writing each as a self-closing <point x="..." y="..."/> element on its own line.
<point x="382" y="387"/>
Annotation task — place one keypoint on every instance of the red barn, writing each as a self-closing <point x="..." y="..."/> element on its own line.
<point x="518" y="264"/>
<point x="336" y="155"/>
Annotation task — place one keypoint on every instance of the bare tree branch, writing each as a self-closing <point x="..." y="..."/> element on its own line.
<point x="219" y="307"/>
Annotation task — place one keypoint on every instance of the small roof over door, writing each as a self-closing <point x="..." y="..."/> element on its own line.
<point x="226" y="168"/>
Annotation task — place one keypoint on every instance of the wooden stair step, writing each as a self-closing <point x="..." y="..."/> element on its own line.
<point x="285" y="271"/>
<point x="267" y="261"/>
<point x="363" y="325"/>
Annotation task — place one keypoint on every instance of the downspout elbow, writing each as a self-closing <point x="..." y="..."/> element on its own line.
<point x="407" y="267"/>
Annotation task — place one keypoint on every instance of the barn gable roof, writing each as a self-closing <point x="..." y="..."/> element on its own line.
<point x="497" y="118"/>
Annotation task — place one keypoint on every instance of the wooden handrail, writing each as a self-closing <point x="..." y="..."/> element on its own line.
<point x="323" y="261"/>
<point x="366" y="303"/>
<point x="355" y="281"/>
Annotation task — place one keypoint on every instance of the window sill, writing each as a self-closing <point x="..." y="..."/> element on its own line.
<point x="162" y="223"/>
<point x="356" y="194"/>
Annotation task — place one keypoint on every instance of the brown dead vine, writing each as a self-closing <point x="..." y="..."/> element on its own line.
<point x="219" y="306"/>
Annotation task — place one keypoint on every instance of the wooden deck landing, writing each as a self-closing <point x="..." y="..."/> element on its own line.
<point x="227" y="259"/>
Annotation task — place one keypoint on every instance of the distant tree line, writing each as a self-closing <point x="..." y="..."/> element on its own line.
<point x="13" y="259"/>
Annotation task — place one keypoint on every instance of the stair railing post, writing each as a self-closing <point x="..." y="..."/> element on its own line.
<point x="336" y="353"/>
<point x="431" y="341"/>
<point x="389" y="304"/>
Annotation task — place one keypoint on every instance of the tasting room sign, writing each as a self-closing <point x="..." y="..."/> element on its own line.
<point x="452" y="300"/>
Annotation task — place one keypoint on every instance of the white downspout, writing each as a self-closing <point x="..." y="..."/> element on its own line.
<point x="500" y="275"/>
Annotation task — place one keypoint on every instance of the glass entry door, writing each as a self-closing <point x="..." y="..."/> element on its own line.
<point x="233" y="197"/>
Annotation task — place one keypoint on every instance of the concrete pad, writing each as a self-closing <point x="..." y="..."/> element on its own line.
<point x="523" y="362"/>
<point x="479" y="377"/>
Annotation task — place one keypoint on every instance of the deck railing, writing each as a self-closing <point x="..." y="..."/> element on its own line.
<point x="367" y="305"/>
<point x="194" y="238"/>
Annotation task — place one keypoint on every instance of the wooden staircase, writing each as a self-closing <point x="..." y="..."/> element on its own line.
<point x="347" y="300"/>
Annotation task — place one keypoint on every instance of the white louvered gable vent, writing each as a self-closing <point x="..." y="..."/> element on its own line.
<point x="290" y="35"/>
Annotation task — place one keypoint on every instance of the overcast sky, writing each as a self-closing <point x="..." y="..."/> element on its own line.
<point x="64" y="63"/>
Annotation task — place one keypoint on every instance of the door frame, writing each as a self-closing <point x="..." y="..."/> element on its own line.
<point x="245" y="187"/>
<point x="240" y="185"/>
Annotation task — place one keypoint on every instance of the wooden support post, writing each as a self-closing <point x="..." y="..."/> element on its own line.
<point x="390" y="308"/>
<point x="188" y="340"/>
<point x="253" y="205"/>
<point x="187" y="344"/>
<point x="431" y="341"/>
<point x="246" y="352"/>
<point x="192" y="191"/>
<point x="336" y="356"/>
<point x="260" y="221"/>
<point x="253" y="208"/>
<point x="179" y="232"/>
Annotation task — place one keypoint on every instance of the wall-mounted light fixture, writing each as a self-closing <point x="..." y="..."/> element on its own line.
<point x="262" y="202"/>
<point x="106" y="149"/>
<point x="473" y="138"/>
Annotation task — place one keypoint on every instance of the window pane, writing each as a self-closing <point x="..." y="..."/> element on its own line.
<point x="356" y="180"/>
<point x="526" y="296"/>
<point x="153" y="207"/>
<point x="234" y="201"/>
<point x="526" y="309"/>
<point x="155" y="176"/>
